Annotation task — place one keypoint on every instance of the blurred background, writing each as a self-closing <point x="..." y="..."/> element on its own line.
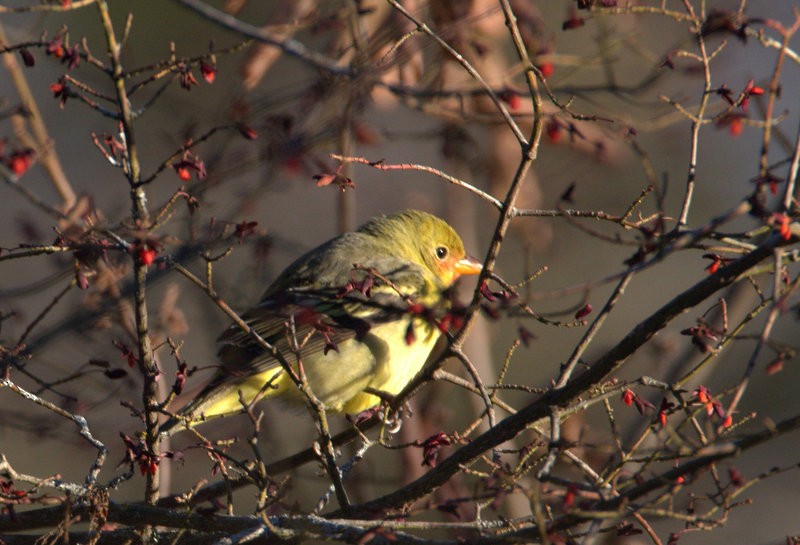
<point x="611" y="67"/>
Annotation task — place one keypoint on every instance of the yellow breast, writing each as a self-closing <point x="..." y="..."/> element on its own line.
<point x="382" y="361"/>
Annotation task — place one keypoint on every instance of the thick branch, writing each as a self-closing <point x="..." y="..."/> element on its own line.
<point x="607" y="364"/>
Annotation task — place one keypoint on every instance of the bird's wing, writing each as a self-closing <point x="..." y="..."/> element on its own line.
<point x="316" y="320"/>
<point x="311" y="325"/>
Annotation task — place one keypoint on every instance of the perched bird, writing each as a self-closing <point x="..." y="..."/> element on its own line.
<point x="361" y="313"/>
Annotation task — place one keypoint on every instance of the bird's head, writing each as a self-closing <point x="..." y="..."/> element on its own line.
<point x="430" y="242"/>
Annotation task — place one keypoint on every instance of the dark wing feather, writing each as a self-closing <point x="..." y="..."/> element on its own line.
<point x="320" y="318"/>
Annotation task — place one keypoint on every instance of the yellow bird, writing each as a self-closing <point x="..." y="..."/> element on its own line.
<point x="358" y="312"/>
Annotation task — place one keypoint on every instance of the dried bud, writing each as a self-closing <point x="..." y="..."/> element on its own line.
<point x="27" y="57"/>
<point x="209" y="72"/>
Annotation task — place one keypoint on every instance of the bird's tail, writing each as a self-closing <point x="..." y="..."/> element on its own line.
<point x="225" y="398"/>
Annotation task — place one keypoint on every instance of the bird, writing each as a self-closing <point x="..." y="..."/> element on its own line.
<point x="358" y="316"/>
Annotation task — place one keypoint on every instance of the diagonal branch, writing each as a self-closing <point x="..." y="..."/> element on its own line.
<point x="605" y="365"/>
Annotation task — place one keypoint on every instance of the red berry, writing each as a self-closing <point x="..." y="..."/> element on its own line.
<point x="736" y="127"/>
<point x="248" y="132"/>
<point x="727" y="422"/>
<point x="627" y="397"/>
<point x="554" y="131"/>
<point x="19" y="163"/>
<point x="209" y="72"/>
<point x="583" y="312"/>
<point x="147" y="255"/>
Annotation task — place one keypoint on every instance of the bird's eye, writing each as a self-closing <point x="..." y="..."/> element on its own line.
<point x="441" y="252"/>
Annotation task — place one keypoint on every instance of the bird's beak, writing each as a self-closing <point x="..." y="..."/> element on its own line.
<point x="468" y="265"/>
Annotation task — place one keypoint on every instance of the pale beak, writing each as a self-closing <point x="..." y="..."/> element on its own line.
<point x="468" y="265"/>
